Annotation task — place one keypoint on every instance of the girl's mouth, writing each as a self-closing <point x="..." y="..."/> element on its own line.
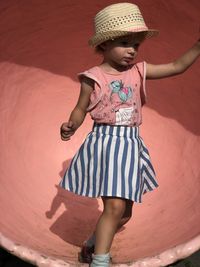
<point x="128" y="59"/>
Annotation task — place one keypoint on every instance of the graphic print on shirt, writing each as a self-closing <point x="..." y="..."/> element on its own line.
<point x="123" y="115"/>
<point x="124" y="92"/>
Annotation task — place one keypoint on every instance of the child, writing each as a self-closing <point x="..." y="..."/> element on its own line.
<point x="113" y="162"/>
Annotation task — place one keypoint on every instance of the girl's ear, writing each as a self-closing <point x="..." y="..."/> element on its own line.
<point x="103" y="46"/>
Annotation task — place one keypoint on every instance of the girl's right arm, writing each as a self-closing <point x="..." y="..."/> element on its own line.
<point x="78" y="114"/>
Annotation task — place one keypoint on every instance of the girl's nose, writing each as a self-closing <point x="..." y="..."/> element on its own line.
<point x="131" y="50"/>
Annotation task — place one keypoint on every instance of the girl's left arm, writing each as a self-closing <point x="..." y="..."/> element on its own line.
<point x="176" y="67"/>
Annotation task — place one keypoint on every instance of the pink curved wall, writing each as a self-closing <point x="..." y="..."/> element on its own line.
<point x="43" y="45"/>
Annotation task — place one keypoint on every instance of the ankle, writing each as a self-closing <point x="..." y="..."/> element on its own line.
<point x="100" y="260"/>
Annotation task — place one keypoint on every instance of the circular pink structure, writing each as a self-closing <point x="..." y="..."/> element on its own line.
<point x="43" y="46"/>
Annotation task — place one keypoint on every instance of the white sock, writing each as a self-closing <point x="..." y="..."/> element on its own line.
<point x="91" y="241"/>
<point x="100" y="260"/>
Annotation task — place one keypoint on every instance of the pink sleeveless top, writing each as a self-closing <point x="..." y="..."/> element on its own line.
<point x="117" y="99"/>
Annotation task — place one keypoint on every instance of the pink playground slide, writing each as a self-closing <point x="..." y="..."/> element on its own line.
<point x="43" y="46"/>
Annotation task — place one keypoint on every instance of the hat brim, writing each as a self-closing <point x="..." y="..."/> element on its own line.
<point x="102" y="37"/>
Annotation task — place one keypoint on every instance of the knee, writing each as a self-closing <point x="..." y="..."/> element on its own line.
<point x="115" y="208"/>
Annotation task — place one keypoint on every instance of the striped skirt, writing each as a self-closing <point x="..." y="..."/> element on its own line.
<point x="112" y="161"/>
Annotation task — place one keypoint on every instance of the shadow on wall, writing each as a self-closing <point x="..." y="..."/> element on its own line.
<point x="54" y="37"/>
<point x="67" y="226"/>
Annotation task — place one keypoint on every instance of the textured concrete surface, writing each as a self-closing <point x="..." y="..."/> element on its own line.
<point x="8" y="260"/>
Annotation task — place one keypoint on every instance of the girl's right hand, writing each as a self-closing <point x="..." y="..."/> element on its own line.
<point x="67" y="129"/>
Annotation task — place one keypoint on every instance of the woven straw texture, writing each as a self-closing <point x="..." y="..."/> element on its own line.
<point x="118" y="20"/>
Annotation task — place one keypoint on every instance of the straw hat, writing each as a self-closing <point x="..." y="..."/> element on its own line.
<point x="119" y="20"/>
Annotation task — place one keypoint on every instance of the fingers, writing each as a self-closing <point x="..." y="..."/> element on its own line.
<point x="67" y="126"/>
<point x="66" y="130"/>
<point x="65" y="139"/>
<point x="70" y="124"/>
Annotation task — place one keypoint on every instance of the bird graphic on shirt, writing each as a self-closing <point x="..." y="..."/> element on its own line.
<point x="124" y="92"/>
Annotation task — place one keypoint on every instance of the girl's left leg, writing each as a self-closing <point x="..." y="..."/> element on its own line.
<point x="88" y="247"/>
<point x="108" y="222"/>
<point x="125" y="218"/>
<point x="127" y="214"/>
<point x="106" y="228"/>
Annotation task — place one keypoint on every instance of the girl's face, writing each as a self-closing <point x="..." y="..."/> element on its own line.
<point x="121" y="52"/>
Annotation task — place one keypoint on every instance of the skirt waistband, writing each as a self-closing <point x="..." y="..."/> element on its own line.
<point x="116" y="130"/>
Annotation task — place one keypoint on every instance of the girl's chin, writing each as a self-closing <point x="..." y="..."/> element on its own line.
<point x="123" y="65"/>
<point x="126" y="63"/>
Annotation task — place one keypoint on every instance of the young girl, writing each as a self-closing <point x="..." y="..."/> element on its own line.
<point x="113" y="162"/>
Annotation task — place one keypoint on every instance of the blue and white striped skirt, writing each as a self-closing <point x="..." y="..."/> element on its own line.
<point x="112" y="161"/>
